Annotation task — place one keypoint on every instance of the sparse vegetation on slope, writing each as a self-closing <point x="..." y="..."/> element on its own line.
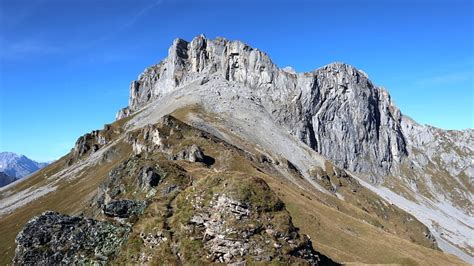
<point x="238" y="196"/>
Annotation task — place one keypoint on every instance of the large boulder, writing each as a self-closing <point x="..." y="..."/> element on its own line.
<point x="124" y="208"/>
<point x="192" y="153"/>
<point x="52" y="238"/>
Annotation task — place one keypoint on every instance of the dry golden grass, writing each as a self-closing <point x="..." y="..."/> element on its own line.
<point x="340" y="230"/>
<point x="346" y="239"/>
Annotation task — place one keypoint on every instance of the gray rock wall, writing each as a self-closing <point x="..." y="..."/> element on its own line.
<point x="336" y="109"/>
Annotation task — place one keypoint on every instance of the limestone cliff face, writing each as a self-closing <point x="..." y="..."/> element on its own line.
<point x="351" y="121"/>
<point x="336" y="109"/>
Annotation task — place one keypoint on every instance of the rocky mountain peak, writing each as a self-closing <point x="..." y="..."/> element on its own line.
<point x="335" y="109"/>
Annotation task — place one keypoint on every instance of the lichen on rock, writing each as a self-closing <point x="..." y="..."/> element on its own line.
<point x="52" y="238"/>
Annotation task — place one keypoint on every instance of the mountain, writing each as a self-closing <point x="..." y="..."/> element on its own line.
<point x="338" y="112"/>
<point x="223" y="157"/>
<point x="18" y="166"/>
<point x="5" y="179"/>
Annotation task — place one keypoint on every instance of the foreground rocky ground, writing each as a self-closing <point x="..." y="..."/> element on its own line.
<point x="150" y="209"/>
<point x="53" y="238"/>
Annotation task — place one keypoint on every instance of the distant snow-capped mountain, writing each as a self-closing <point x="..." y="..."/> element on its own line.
<point x="18" y="166"/>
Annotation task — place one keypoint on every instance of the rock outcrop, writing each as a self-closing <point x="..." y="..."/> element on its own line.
<point x="92" y="142"/>
<point x="225" y="243"/>
<point x="88" y="144"/>
<point x="156" y="138"/>
<point x="192" y="154"/>
<point x="134" y="178"/>
<point x="452" y="149"/>
<point x="53" y="239"/>
<point x="124" y="208"/>
<point x="441" y="163"/>
<point x="240" y="219"/>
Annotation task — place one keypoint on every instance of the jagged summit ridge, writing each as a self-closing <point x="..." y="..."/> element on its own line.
<point x="335" y="109"/>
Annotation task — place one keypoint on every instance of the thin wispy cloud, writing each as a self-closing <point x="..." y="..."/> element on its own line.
<point x="26" y="48"/>
<point x="142" y="12"/>
<point x="449" y="73"/>
<point x="446" y="78"/>
<point x="128" y="23"/>
<point x="32" y="46"/>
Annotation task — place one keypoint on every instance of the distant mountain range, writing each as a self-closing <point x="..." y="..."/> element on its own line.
<point x="14" y="166"/>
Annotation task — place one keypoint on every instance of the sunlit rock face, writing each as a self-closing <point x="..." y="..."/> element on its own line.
<point x="336" y="110"/>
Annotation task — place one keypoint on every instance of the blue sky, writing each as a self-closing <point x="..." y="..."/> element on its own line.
<point x="65" y="65"/>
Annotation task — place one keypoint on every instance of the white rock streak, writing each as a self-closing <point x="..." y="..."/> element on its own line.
<point x="451" y="227"/>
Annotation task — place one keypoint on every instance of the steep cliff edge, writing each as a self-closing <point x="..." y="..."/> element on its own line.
<point x="336" y="110"/>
